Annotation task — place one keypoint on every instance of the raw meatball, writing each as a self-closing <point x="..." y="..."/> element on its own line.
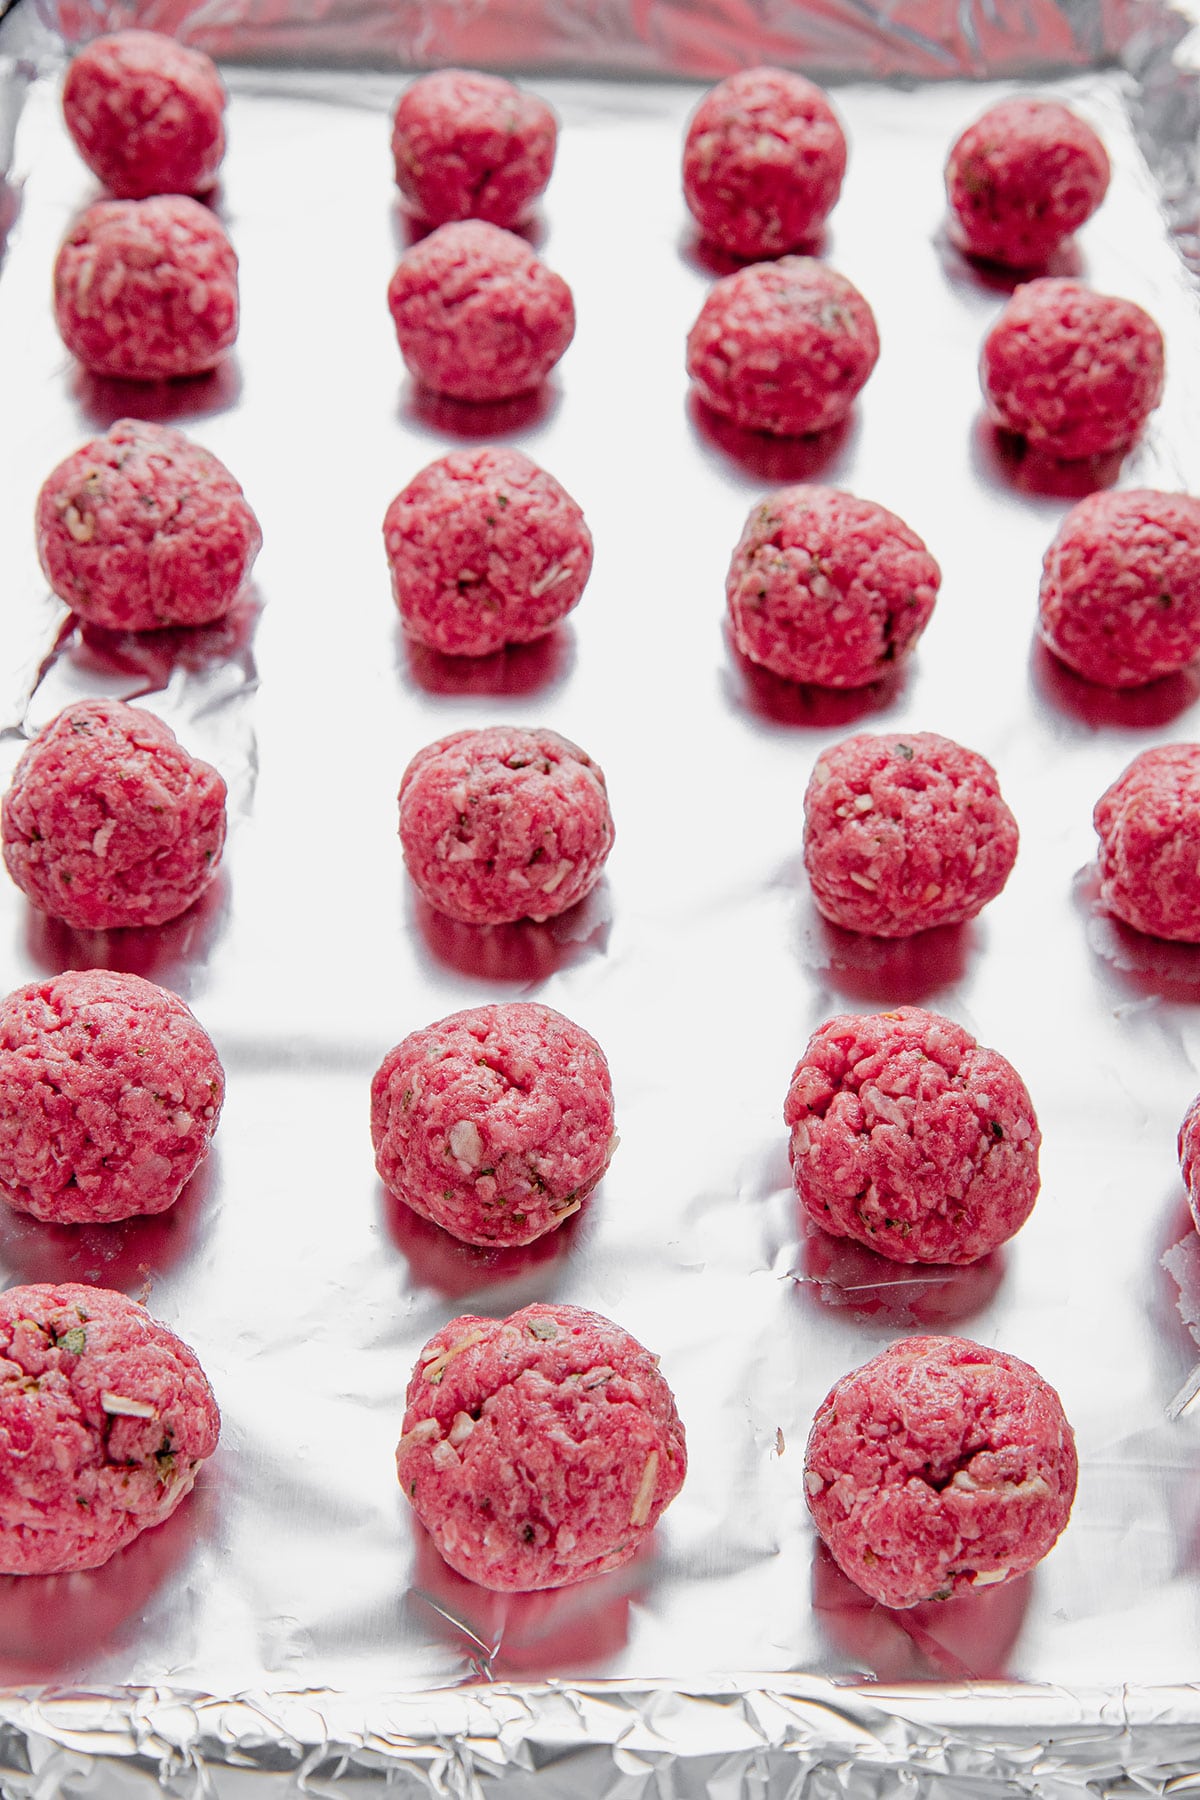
<point x="1120" y="597"/>
<point x="504" y="824"/>
<point x="1149" y="827"/>
<point x="105" y="1418"/>
<point x="477" y="315"/>
<point x="110" y="1091"/>
<point x="471" y="146"/>
<point x="904" y="831"/>
<point x="540" y="1449"/>
<point x="146" y="115"/>
<point x="937" y="1467"/>
<point x="109" y="821"/>
<point x="1021" y="180"/>
<point x="1189" y="1157"/>
<point x="495" y="1123"/>
<point x="763" y="162"/>
<point x="783" y="347"/>
<point x="828" y="589"/>
<point x="143" y="529"/>
<point x="147" y="289"/>
<point x="1075" y="372"/>
<point x="909" y="1137"/>
<point x="485" y="549"/>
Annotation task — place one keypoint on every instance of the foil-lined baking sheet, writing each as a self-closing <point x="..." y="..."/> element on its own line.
<point x="294" y="1576"/>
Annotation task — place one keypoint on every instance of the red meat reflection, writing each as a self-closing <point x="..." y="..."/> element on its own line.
<point x="517" y="669"/>
<point x="889" y="971"/>
<point x="1146" y="708"/>
<point x="442" y="1262"/>
<point x="558" y="1632"/>
<point x="1006" y="460"/>
<point x="839" y="1272"/>
<point x="150" y="657"/>
<point x="772" y="460"/>
<point x="103" y="399"/>
<point x="968" y="1638"/>
<point x="1147" y="965"/>
<point x="125" y="1255"/>
<point x="160" y="953"/>
<point x="523" y="952"/>
<point x="52" y="1624"/>
<point x="771" y="697"/>
<point x="484" y="421"/>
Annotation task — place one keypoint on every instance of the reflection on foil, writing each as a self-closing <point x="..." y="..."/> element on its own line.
<point x="517" y="669"/>
<point x="437" y="1260"/>
<point x="48" y="1622"/>
<point x="1151" y="707"/>
<point x="163" y="953"/>
<point x="902" y="1296"/>
<point x="967" y="1638"/>
<point x="124" y="1255"/>
<point x="527" y="952"/>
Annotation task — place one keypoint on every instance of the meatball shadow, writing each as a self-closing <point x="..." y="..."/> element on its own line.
<point x="772" y="460"/>
<point x="1005" y="460"/>
<point x="54" y="1625"/>
<point x="103" y="399"/>
<point x="526" y="953"/>
<point x="962" y="270"/>
<point x="713" y="261"/>
<point x="161" y="953"/>
<point x="887" y="971"/>
<point x="1145" y="708"/>
<point x="1158" y="968"/>
<point x="1178" y="1273"/>
<point x="479" y="421"/>
<point x="553" y="1632"/>
<point x="454" y="1269"/>
<point x="844" y="1275"/>
<point x="970" y="1637"/>
<point x="516" y="670"/>
<point x="125" y="1255"/>
<point x="771" y="698"/>
<point x="409" y="229"/>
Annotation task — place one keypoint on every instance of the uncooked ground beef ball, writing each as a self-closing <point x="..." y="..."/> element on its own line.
<point x="540" y="1449"/>
<point x="478" y="316"/>
<point x="1148" y="823"/>
<point x="503" y="824"/>
<point x="938" y="1467"/>
<point x="1120" y="594"/>
<point x="495" y="1123"/>
<point x="911" y="1138"/>
<point x="763" y="162"/>
<point x="105" y="1419"/>
<point x="828" y="589"/>
<point x="486" y="549"/>
<point x="110" y="1091"/>
<point x="904" y="831"/>
<point x="783" y="347"/>
<point x="142" y="529"/>
<point x="147" y="290"/>
<point x="1075" y="372"/>
<point x="146" y="114"/>
<point x="471" y="146"/>
<point x="1022" y="179"/>
<point x="109" y="822"/>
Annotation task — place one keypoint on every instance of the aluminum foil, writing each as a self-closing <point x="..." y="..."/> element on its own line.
<point x="734" y="1658"/>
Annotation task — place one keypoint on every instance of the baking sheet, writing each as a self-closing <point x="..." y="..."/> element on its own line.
<point x="699" y="964"/>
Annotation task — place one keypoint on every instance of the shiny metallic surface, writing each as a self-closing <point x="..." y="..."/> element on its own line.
<point x="294" y="1577"/>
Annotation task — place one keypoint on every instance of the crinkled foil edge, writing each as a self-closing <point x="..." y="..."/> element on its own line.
<point x="800" y="1736"/>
